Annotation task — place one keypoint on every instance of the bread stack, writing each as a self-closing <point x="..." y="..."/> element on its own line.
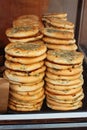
<point x="25" y="67"/>
<point x="25" y="28"/>
<point x="64" y="78"/>
<point x="25" y="71"/>
<point x="59" y="33"/>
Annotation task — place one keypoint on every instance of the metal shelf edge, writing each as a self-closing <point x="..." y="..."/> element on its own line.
<point x="43" y="116"/>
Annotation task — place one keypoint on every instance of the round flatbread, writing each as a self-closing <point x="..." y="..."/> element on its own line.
<point x="53" y="76"/>
<point x="60" y="66"/>
<point x="78" y="99"/>
<point x="25" y="60"/>
<point x="26" y="39"/>
<point x="65" y="97"/>
<point x="28" y="93"/>
<point x="54" y="102"/>
<point x="23" y="67"/>
<point x="26" y="49"/>
<point x="27" y="97"/>
<point x="21" y="87"/>
<point x="58" y="15"/>
<point x="23" y="79"/>
<point x="58" y="41"/>
<point x="55" y="33"/>
<point x="34" y="72"/>
<point x="58" y="22"/>
<point x="18" y="83"/>
<point x="26" y="20"/>
<point x="69" y="47"/>
<point x="27" y="23"/>
<point x="63" y="108"/>
<point x="15" y="100"/>
<point x="66" y="72"/>
<point x="63" y="92"/>
<point x="25" y="105"/>
<point x="64" y="87"/>
<point x="64" y="82"/>
<point x="24" y="108"/>
<point x="63" y="29"/>
<point x="22" y="31"/>
<point x="65" y="57"/>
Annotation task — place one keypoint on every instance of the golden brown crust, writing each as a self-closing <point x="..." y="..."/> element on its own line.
<point x="53" y="76"/>
<point x="27" y="20"/>
<point x="64" y="82"/>
<point x="63" y="108"/>
<point x="63" y="92"/>
<point x="22" y="31"/>
<point x="57" y="15"/>
<point x="54" y="102"/>
<point x="24" y="108"/>
<point x="65" y="57"/>
<point x="15" y="100"/>
<point x="25" y="60"/>
<point x="26" y="39"/>
<point x="69" y="47"/>
<point x="20" y="87"/>
<point x="66" y="72"/>
<point x="26" y="49"/>
<point x="18" y="83"/>
<point x="27" y="97"/>
<point x="23" y="67"/>
<point x="23" y="79"/>
<point x="60" y="66"/>
<point x="58" y="22"/>
<point x="66" y="101"/>
<point x="28" y="93"/>
<point x="64" y="87"/>
<point x="31" y="73"/>
<point x="58" y="41"/>
<point x="24" y="104"/>
<point x="70" y="97"/>
<point x="63" y="29"/>
<point x="55" y="33"/>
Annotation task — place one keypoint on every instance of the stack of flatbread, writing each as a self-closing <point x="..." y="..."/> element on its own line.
<point x="58" y="32"/>
<point x="25" y="28"/>
<point x="25" y="68"/>
<point x="64" y="78"/>
<point x="25" y="71"/>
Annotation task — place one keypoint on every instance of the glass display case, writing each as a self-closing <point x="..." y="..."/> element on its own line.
<point x="46" y="118"/>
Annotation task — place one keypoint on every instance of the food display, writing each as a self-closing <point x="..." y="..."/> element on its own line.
<point x="42" y="62"/>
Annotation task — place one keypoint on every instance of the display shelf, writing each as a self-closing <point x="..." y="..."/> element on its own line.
<point x="47" y="118"/>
